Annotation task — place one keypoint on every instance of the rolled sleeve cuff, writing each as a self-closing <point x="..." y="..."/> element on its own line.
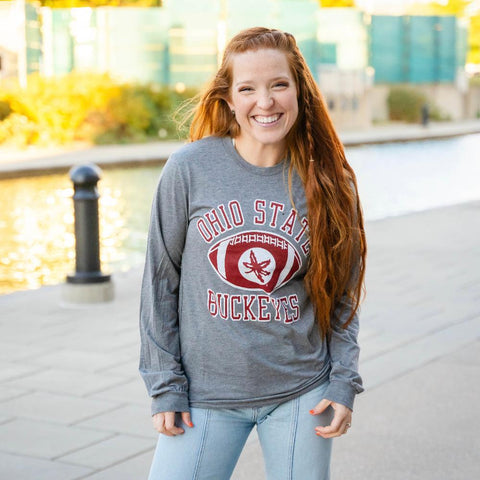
<point x="341" y="392"/>
<point x="170" y="402"/>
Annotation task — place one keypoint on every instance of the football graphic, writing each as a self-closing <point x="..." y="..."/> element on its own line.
<point x="255" y="260"/>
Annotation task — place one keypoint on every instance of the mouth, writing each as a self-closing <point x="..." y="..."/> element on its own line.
<point x="267" y="120"/>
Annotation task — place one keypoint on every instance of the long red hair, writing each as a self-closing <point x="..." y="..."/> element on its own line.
<point x="335" y="275"/>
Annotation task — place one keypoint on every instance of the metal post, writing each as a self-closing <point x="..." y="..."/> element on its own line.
<point x="88" y="272"/>
<point x="425" y="114"/>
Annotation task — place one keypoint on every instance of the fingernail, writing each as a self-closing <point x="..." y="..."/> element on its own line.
<point x="312" y="411"/>
<point x="190" y="424"/>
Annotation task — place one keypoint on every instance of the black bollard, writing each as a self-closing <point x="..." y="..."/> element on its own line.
<point x="87" y="239"/>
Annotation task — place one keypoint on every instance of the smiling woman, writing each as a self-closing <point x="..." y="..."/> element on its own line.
<point x="253" y="273"/>
<point x="264" y="102"/>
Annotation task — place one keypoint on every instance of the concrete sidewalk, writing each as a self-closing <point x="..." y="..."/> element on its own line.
<point x="72" y="405"/>
<point x="35" y="161"/>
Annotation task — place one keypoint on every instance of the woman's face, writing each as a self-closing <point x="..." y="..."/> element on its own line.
<point x="263" y="95"/>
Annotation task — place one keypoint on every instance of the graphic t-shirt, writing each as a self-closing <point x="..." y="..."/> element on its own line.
<point x="225" y="318"/>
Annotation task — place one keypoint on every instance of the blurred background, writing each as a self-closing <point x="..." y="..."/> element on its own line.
<point x="135" y="54"/>
<point x="78" y="73"/>
<point x="100" y="81"/>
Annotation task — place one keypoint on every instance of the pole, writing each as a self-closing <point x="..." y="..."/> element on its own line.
<point x="87" y="238"/>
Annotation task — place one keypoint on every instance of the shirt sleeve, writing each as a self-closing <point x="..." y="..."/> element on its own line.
<point x="160" y="357"/>
<point x="345" y="381"/>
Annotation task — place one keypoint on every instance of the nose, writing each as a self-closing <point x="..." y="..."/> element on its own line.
<point x="265" y="100"/>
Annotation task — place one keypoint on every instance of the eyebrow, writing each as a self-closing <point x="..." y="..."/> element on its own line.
<point x="271" y="80"/>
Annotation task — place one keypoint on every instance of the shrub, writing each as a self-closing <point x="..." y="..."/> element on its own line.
<point x="438" y="115"/>
<point x="5" y="110"/>
<point x="17" y="130"/>
<point x="92" y="108"/>
<point x="405" y="104"/>
<point x="126" y="116"/>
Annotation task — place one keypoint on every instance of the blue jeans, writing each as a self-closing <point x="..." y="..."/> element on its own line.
<point x="210" y="450"/>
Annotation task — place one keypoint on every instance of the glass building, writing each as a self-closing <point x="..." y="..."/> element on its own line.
<point x="181" y="43"/>
<point x="416" y="49"/>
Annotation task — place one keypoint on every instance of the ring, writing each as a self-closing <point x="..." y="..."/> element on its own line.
<point x="349" y="425"/>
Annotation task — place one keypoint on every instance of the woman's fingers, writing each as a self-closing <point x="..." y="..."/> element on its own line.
<point x="164" y="423"/>
<point x="341" y="421"/>
<point x="170" y="426"/>
<point x="320" y="407"/>
<point x="159" y="422"/>
<point x="187" y="419"/>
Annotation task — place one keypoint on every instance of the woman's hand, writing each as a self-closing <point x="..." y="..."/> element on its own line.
<point x="164" y="422"/>
<point x="342" y="419"/>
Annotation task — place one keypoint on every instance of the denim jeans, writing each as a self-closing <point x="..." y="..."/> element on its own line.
<point x="210" y="450"/>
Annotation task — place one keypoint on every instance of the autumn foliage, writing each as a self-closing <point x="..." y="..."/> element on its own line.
<point x="86" y="107"/>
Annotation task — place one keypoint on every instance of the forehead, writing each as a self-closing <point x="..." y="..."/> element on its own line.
<point x="261" y="63"/>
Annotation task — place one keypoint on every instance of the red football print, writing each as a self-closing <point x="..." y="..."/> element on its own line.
<point x="255" y="260"/>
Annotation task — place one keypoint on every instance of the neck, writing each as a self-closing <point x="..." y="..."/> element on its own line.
<point x="260" y="155"/>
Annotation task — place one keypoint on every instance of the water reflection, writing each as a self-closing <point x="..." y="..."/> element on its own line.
<point x="36" y="225"/>
<point x="399" y="178"/>
<point x="36" y="231"/>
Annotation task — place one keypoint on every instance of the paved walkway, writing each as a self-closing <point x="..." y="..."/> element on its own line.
<point x="33" y="161"/>
<point x="72" y="405"/>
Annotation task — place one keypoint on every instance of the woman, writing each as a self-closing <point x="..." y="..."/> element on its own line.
<point x="254" y="270"/>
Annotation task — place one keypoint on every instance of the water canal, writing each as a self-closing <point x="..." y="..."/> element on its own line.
<point x="36" y="213"/>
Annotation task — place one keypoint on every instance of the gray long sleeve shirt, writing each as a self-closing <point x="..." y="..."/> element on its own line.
<point x="225" y="320"/>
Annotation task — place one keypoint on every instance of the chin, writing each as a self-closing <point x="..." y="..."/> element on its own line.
<point x="280" y="140"/>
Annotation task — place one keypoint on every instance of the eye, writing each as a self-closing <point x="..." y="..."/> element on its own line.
<point x="281" y="85"/>
<point x="245" y="89"/>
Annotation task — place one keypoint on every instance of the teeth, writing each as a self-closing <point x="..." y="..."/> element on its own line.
<point x="271" y="119"/>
